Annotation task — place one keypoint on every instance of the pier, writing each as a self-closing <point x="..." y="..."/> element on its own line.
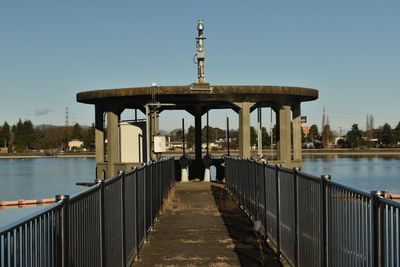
<point x="264" y="215"/>
<point x="147" y="210"/>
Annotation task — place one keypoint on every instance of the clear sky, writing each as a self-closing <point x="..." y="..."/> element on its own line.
<point x="349" y="50"/>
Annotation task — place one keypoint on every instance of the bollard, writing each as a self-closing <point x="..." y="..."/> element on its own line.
<point x="185" y="175"/>
<point x="207" y="175"/>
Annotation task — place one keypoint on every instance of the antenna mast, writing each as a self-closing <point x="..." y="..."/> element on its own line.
<point x="200" y="54"/>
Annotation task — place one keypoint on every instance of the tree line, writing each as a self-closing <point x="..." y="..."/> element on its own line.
<point x="216" y="134"/>
<point x="383" y="137"/>
<point x="23" y="136"/>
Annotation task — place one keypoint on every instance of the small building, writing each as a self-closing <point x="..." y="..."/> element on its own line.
<point x="175" y="144"/>
<point x="3" y="150"/>
<point x="210" y="145"/>
<point x="74" y="145"/>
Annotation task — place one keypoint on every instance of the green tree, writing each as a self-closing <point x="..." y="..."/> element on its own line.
<point x="253" y="136"/>
<point x="175" y="135"/>
<point x="76" y="132"/>
<point x="354" y="136"/>
<point x="327" y="136"/>
<point x="313" y="135"/>
<point x="89" y="138"/>
<point x="386" y="135"/>
<point x="341" y="142"/>
<point x="189" y="138"/>
<point x="266" y="138"/>
<point x="5" y="135"/>
<point x="18" y="140"/>
<point x="28" y="134"/>
<point x="397" y="133"/>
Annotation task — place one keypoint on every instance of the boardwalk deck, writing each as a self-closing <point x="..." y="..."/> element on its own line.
<point x="202" y="226"/>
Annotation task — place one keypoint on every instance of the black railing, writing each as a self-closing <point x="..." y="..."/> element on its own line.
<point x="312" y="221"/>
<point x="104" y="225"/>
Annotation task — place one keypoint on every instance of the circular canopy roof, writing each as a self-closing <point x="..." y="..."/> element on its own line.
<point x="203" y="94"/>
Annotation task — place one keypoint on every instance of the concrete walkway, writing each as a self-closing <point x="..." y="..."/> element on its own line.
<point x="202" y="226"/>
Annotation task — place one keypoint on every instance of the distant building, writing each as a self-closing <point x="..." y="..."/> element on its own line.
<point x="210" y="145"/>
<point x="3" y="150"/>
<point x="74" y="144"/>
<point x="175" y="144"/>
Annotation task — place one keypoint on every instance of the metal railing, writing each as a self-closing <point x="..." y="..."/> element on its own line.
<point x="104" y="225"/>
<point x="313" y="221"/>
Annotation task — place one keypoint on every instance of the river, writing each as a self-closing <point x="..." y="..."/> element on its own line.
<point x="45" y="177"/>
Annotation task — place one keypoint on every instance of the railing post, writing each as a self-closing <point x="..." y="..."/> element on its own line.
<point x="296" y="210"/>
<point x="64" y="229"/>
<point x="278" y="205"/>
<point x="378" y="230"/>
<point x="265" y="201"/>
<point x="147" y="169"/>
<point x="323" y="215"/>
<point x="102" y="226"/>
<point x="123" y="218"/>
<point x="135" y="183"/>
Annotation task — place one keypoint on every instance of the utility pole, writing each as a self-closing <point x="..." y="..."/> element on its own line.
<point x="259" y="133"/>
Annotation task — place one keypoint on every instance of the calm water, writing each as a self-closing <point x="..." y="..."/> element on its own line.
<point x="44" y="178"/>
<point x="366" y="173"/>
<point x="40" y="178"/>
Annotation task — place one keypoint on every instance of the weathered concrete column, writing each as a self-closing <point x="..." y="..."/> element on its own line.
<point x="285" y="141"/>
<point x="276" y="110"/>
<point x="112" y="142"/>
<point x="197" y="144"/>
<point x="296" y="122"/>
<point x="99" y="134"/>
<point x="244" y="128"/>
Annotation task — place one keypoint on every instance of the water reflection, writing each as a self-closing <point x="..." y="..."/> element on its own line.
<point x="40" y="178"/>
<point x="367" y="173"/>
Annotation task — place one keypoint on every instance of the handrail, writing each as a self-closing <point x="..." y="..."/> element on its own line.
<point x="313" y="221"/>
<point x="118" y="213"/>
<point x="350" y="189"/>
<point x="84" y="193"/>
<point x="11" y="226"/>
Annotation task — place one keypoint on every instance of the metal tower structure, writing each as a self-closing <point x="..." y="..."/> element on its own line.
<point x="200" y="54"/>
<point x="66" y="117"/>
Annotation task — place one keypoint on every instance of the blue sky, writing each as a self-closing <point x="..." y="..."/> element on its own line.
<point x="349" y="50"/>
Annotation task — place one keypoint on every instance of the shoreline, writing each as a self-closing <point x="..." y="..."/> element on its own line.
<point x="305" y="152"/>
<point x="16" y="156"/>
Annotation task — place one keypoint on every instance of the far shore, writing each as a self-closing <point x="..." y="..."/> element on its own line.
<point x="267" y="152"/>
<point x="39" y="155"/>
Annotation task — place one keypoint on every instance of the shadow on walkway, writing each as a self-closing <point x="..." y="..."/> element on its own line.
<point x="250" y="249"/>
<point x="201" y="225"/>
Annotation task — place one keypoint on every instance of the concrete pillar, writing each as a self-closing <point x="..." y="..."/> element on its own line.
<point x="112" y="142"/>
<point x="197" y="144"/>
<point x="99" y="134"/>
<point x="296" y="122"/>
<point x="277" y="132"/>
<point x="285" y="140"/>
<point x="244" y="128"/>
